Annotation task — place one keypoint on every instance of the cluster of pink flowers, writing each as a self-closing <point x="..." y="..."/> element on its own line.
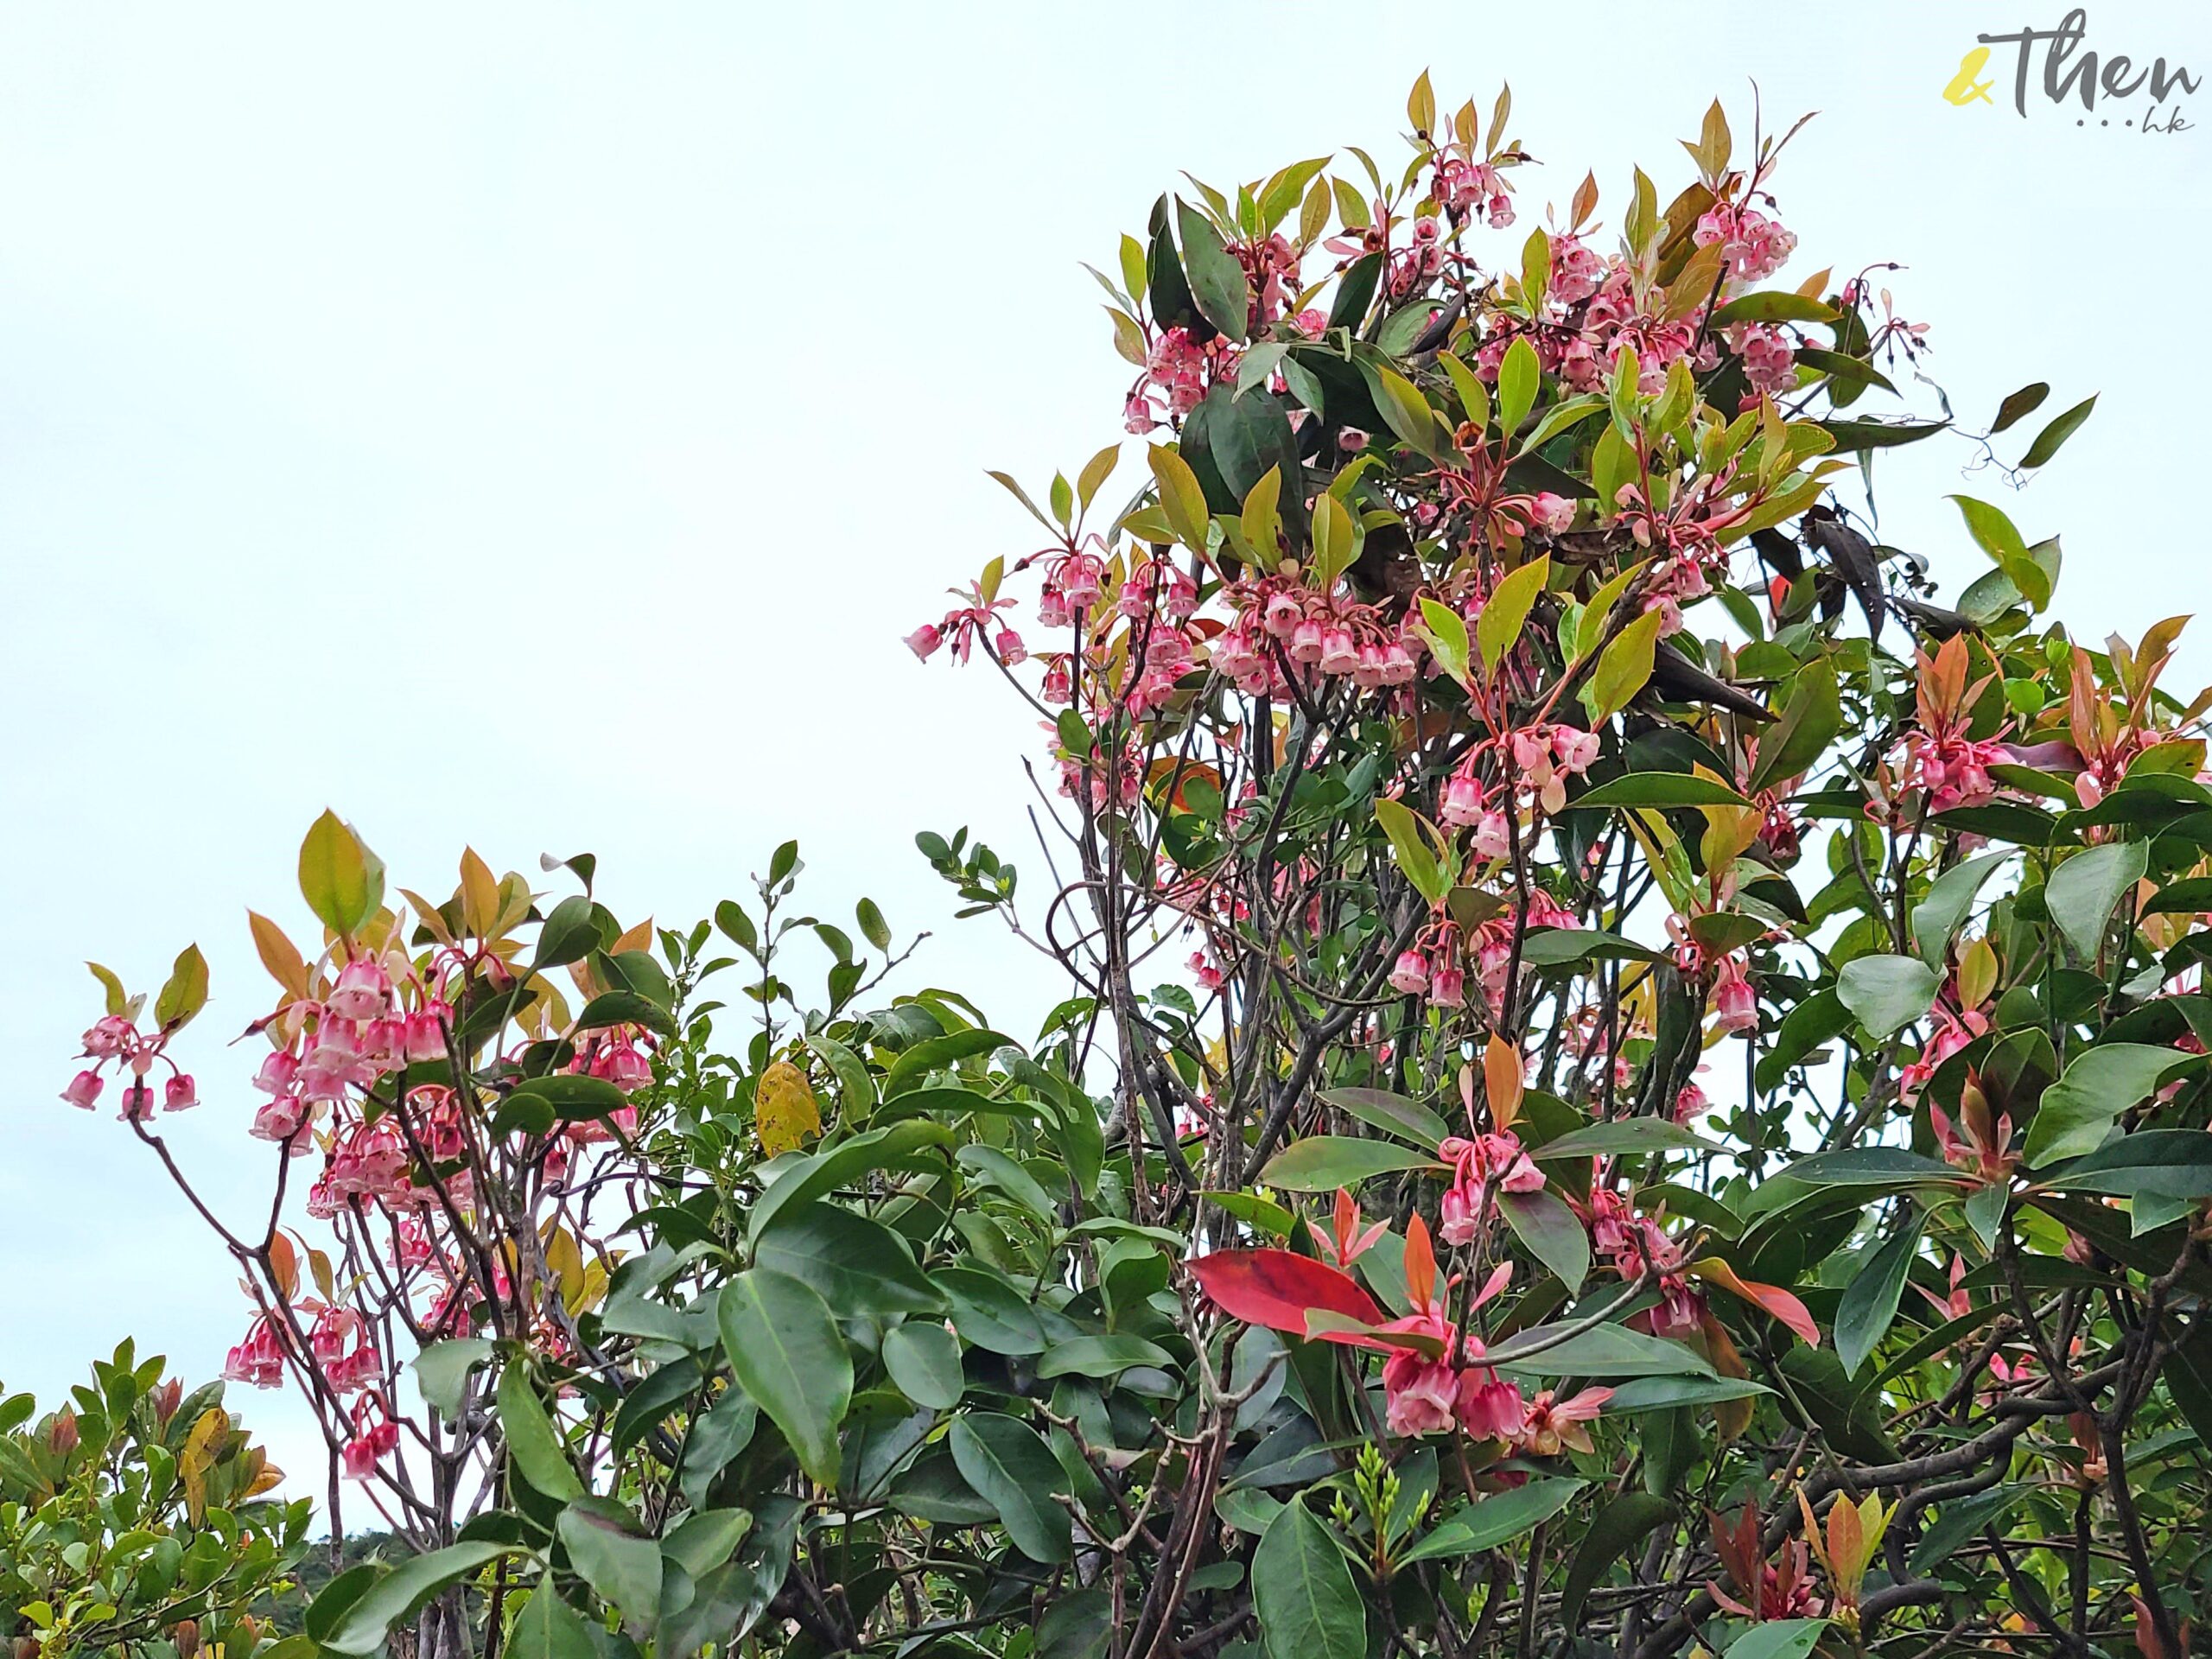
<point x="1470" y="188"/>
<point x="1634" y="1244"/>
<point x="1753" y="245"/>
<point x="1426" y="1394"/>
<point x="1950" y="766"/>
<point x="115" y="1040"/>
<point x="1177" y="369"/>
<point x="1577" y="271"/>
<point x="1769" y="358"/>
<point x="1279" y="620"/>
<point x="963" y="626"/>
<point x="1482" y="1166"/>
<point x="1953" y="1032"/>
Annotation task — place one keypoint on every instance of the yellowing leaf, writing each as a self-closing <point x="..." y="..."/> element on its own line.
<point x="278" y="955"/>
<point x="479" y="894"/>
<point x="200" y="1450"/>
<point x="783" y="1110"/>
<point x="1180" y="498"/>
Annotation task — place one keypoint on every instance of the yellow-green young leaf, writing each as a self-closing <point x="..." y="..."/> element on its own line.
<point x="1518" y="373"/>
<point x="1498" y="628"/>
<point x="1600" y="607"/>
<point x="186" y="993"/>
<point x="116" y="998"/>
<point x="1420" y="106"/>
<point x="1314" y="217"/>
<point x="1474" y="397"/>
<point x="534" y="1444"/>
<point x="1536" y="265"/>
<point x="1558" y="418"/>
<point x="1624" y="667"/>
<point x="785" y="1114"/>
<point x="1415" y="857"/>
<point x="334" y="874"/>
<point x="1612" y="464"/>
<point x="1180" y="498"/>
<point x="1262" y="522"/>
<point x="1336" y="538"/>
<point x="1095" y="471"/>
<point x="1406" y="410"/>
<point x="1129" y="339"/>
<point x="1445" y="630"/>
<point x="1132" y="271"/>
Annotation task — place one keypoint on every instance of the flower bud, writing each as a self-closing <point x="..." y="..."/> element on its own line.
<point x="61" y="1436"/>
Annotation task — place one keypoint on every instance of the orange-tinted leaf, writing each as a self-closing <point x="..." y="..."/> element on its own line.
<point x="1774" y="1300"/>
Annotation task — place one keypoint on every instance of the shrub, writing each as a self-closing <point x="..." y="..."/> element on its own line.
<point x="134" y="1520"/>
<point x="1381" y="698"/>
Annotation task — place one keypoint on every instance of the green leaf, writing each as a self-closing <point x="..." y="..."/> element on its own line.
<point x="1615" y="1530"/>
<point x="1321" y="1163"/>
<point x="1078" y="1625"/>
<point x="443" y="1368"/>
<point x="2062" y="428"/>
<point x="645" y="1406"/>
<point x="185" y="992"/>
<point x="533" y="1444"/>
<point x="1631" y="1135"/>
<point x="1392" y="1113"/>
<point x="1809" y="722"/>
<point x="913" y="1143"/>
<point x="571" y="934"/>
<point x="2078" y="1111"/>
<point x="548" y="1627"/>
<point x="1774" y="307"/>
<point x="1415" y="857"/>
<point x="622" y="1566"/>
<point x="2083" y="891"/>
<point x="1217" y="280"/>
<point x="1887" y="993"/>
<point x="1519" y="373"/>
<point x="1602" y="1351"/>
<point x="1100" y="1356"/>
<point x="625" y="1007"/>
<point x="854" y="1263"/>
<point x="1778" y="1638"/>
<point x="924" y="1360"/>
<point x="1871" y="1166"/>
<point x="1543" y="1222"/>
<point x="707" y="1538"/>
<point x="991" y="1168"/>
<point x="1303" y="1591"/>
<point x="1937" y="918"/>
<point x="1624" y="668"/>
<point x="783" y="1343"/>
<point x="1880" y="435"/>
<point x="2001" y="540"/>
<point x="1659" y="789"/>
<point x="334" y="875"/>
<point x="392" y="1599"/>
<point x="1870" y="1300"/>
<point x="1497" y="1520"/>
<point x="571" y="1097"/>
<point x="1011" y="1468"/>
<point x="1446" y="630"/>
<point x="1506" y="613"/>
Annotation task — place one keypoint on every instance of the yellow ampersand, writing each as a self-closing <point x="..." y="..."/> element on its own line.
<point x="1964" y="88"/>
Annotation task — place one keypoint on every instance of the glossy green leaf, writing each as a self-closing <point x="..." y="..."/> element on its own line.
<point x="924" y="1360"/>
<point x="785" y="1346"/>
<point x="1321" y="1163"/>
<point x="1012" y="1469"/>
<point x="1497" y="1520"/>
<point x="1303" y="1591"/>
<point x="1886" y="993"/>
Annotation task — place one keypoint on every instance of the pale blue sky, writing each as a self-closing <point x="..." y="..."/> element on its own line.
<point x="641" y="366"/>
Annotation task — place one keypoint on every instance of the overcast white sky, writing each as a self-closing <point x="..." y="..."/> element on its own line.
<point x="534" y="427"/>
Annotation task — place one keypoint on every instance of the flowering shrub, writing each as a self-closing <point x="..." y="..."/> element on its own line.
<point x="135" y="1519"/>
<point x="1540" y="996"/>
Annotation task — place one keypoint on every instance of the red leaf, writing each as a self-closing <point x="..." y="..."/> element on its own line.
<point x="1774" y="1300"/>
<point x="1277" y="1288"/>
